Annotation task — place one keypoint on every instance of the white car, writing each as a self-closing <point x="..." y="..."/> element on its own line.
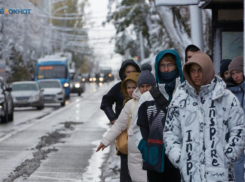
<point x="53" y="91"/>
<point x="26" y="94"/>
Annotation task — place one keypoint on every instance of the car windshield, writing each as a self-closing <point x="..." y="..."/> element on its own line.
<point x="24" y="87"/>
<point x="49" y="84"/>
<point x="77" y="79"/>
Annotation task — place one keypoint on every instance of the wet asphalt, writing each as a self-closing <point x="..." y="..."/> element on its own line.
<point x="57" y="143"/>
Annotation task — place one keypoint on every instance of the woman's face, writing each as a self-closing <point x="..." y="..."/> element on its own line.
<point x="129" y="69"/>
<point x="131" y="86"/>
<point x="226" y="74"/>
<point x="237" y="76"/>
<point x="144" y="88"/>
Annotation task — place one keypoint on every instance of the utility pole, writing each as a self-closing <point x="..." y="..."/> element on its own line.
<point x="3" y="34"/>
<point x="142" y="51"/>
<point x="42" y="40"/>
<point x="25" y="40"/>
<point x="244" y="35"/>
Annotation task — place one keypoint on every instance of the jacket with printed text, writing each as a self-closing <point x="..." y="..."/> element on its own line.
<point x="203" y="132"/>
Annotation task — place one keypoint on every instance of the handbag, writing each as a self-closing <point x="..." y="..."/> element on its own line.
<point x="122" y="140"/>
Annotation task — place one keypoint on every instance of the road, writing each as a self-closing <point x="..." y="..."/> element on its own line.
<point x="57" y="143"/>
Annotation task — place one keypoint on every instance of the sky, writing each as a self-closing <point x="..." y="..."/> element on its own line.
<point x="103" y="48"/>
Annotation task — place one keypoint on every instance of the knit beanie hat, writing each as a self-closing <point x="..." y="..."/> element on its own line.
<point x="146" y="77"/>
<point x="236" y="64"/>
<point x="224" y="66"/>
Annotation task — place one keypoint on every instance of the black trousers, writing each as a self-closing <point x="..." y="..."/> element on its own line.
<point x="169" y="175"/>
<point x="124" y="174"/>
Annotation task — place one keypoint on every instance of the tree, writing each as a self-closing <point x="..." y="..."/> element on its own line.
<point x="162" y="27"/>
<point x="70" y="38"/>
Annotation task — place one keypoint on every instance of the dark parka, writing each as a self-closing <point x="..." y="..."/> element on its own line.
<point x="115" y="94"/>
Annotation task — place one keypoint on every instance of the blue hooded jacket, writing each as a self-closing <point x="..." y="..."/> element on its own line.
<point x="178" y="64"/>
<point x="151" y="121"/>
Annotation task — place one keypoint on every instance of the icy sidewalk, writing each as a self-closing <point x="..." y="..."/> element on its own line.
<point x="111" y="166"/>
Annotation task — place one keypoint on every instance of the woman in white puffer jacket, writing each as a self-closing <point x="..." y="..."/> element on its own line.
<point x="145" y="82"/>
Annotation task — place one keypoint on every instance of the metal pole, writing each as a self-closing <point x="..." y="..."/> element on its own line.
<point x="196" y="26"/>
<point x="24" y="41"/>
<point x="3" y="35"/>
<point x="142" y="52"/>
<point x="243" y="36"/>
<point x="42" y="40"/>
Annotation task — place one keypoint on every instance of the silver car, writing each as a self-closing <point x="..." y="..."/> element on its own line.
<point x="53" y="91"/>
<point x="27" y="93"/>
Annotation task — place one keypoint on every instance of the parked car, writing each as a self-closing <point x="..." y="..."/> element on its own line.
<point x="77" y="85"/>
<point x="6" y="102"/>
<point x="27" y="94"/>
<point x="53" y="91"/>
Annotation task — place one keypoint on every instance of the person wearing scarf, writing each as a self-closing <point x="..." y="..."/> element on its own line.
<point x="148" y="134"/>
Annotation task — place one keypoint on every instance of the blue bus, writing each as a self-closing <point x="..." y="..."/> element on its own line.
<point x="54" y="68"/>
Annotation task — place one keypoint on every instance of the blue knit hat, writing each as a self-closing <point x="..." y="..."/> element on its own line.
<point x="146" y="77"/>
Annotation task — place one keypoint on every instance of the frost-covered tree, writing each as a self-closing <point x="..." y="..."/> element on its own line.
<point x="25" y="38"/>
<point x="162" y="27"/>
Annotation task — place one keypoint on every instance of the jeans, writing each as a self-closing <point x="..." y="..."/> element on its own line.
<point x="239" y="168"/>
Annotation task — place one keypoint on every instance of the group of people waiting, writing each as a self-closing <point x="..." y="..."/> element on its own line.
<point x="186" y="123"/>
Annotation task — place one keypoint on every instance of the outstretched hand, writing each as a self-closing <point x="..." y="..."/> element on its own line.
<point x="113" y="121"/>
<point x="101" y="146"/>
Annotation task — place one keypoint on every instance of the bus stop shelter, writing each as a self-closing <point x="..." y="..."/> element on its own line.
<point x="227" y="26"/>
<point x="227" y="29"/>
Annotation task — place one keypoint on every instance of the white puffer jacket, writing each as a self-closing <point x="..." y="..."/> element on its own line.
<point x="204" y="134"/>
<point x="134" y="156"/>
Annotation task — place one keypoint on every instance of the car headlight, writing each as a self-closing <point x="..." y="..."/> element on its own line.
<point x="83" y="79"/>
<point x="66" y="84"/>
<point x="110" y="75"/>
<point x="94" y="79"/>
<point x="77" y="85"/>
<point x="34" y="97"/>
<point x="101" y="79"/>
<point x="90" y="79"/>
<point x="59" y="93"/>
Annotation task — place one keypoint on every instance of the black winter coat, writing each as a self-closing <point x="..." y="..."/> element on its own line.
<point x="115" y="94"/>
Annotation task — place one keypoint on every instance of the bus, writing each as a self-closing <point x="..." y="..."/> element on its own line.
<point x="54" y="68"/>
